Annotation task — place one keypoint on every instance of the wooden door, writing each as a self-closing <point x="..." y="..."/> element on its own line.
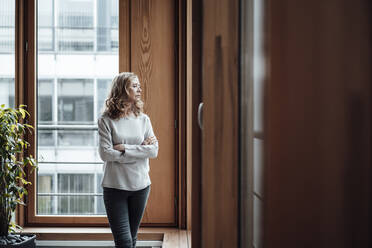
<point x="318" y="173"/>
<point x="219" y="172"/>
<point x="149" y="51"/>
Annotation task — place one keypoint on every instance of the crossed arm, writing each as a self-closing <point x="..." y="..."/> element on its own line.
<point x="149" y="141"/>
<point x="148" y="149"/>
<point x="125" y="153"/>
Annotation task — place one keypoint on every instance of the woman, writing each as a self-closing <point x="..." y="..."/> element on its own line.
<point x="126" y="142"/>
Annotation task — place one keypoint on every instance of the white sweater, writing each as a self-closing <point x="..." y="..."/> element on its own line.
<point x="127" y="170"/>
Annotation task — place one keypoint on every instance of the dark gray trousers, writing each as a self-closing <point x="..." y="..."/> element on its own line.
<point x="124" y="212"/>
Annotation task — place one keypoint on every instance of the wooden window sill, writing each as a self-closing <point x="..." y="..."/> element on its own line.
<point x="171" y="237"/>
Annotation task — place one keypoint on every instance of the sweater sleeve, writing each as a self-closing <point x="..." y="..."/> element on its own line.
<point x="143" y="151"/>
<point x="106" y="150"/>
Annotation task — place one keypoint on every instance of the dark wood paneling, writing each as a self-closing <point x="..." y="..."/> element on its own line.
<point x="30" y="98"/>
<point x="153" y="59"/>
<point x="219" y="176"/>
<point x="191" y="117"/>
<point x="19" y="76"/>
<point x="318" y="174"/>
<point x="196" y="133"/>
<point x="182" y="114"/>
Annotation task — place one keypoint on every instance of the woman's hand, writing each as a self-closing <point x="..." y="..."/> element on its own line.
<point x="150" y="141"/>
<point x="119" y="147"/>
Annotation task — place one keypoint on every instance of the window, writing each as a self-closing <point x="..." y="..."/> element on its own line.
<point x="76" y="193"/>
<point x="7" y="91"/>
<point x="46" y="31"/>
<point x="45" y="110"/>
<point x="46" y="201"/>
<point x="69" y="194"/>
<point x="7" y="52"/>
<point x="75" y="101"/>
<point x="103" y="87"/>
<point x="77" y="58"/>
<point x="108" y="23"/>
<point x="75" y="31"/>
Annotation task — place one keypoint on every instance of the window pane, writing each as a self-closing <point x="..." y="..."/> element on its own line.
<point x="99" y="199"/>
<point x="75" y="101"/>
<point x="7" y="91"/>
<point x="46" y="30"/>
<point x="103" y="87"/>
<point x="77" y="58"/>
<point x="75" y="25"/>
<point x="45" y="110"/>
<point x="76" y="138"/>
<point x="45" y="138"/>
<point x="7" y="52"/>
<point x="45" y="200"/>
<point x="107" y="25"/>
<point x="76" y="183"/>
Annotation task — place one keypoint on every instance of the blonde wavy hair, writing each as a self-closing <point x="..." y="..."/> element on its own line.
<point x="118" y="103"/>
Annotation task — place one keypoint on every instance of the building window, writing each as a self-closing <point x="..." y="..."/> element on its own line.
<point x="70" y="194"/>
<point x="45" y="110"/>
<point x="75" y="31"/>
<point x="46" y="203"/>
<point x="103" y="87"/>
<point x="7" y="91"/>
<point x="75" y="101"/>
<point x="7" y="52"/>
<point x="76" y="194"/>
<point x="46" y="31"/>
<point x="77" y="58"/>
<point x="107" y="26"/>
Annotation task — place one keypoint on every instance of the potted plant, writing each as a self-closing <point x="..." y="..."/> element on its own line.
<point x="12" y="174"/>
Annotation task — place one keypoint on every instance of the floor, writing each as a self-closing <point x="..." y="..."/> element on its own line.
<point x="177" y="239"/>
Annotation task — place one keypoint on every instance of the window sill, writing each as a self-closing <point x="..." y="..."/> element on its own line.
<point x="171" y="237"/>
<point x="92" y="233"/>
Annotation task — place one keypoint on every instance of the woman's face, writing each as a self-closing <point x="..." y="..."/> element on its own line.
<point x="134" y="90"/>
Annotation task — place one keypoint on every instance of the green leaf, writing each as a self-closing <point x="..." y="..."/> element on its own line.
<point x="23" y="180"/>
<point x="13" y="158"/>
<point x="20" y="202"/>
<point x="23" y="112"/>
<point x="29" y="126"/>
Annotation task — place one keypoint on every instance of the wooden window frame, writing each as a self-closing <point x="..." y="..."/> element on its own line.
<point x="26" y="94"/>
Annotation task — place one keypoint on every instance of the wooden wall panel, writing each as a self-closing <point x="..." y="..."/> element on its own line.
<point x="19" y="77"/>
<point x="183" y="93"/>
<point x="220" y="141"/>
<point x="318" y="175"/>
<point x="191" y="118"/>
<point x="29" y="89"/>
<point x="153" y="59"/>
<point x="196" y="132"/>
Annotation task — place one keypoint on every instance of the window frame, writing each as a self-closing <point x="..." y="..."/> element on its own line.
<point x="25" y="84"/>
<point x="31" y="218"/>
